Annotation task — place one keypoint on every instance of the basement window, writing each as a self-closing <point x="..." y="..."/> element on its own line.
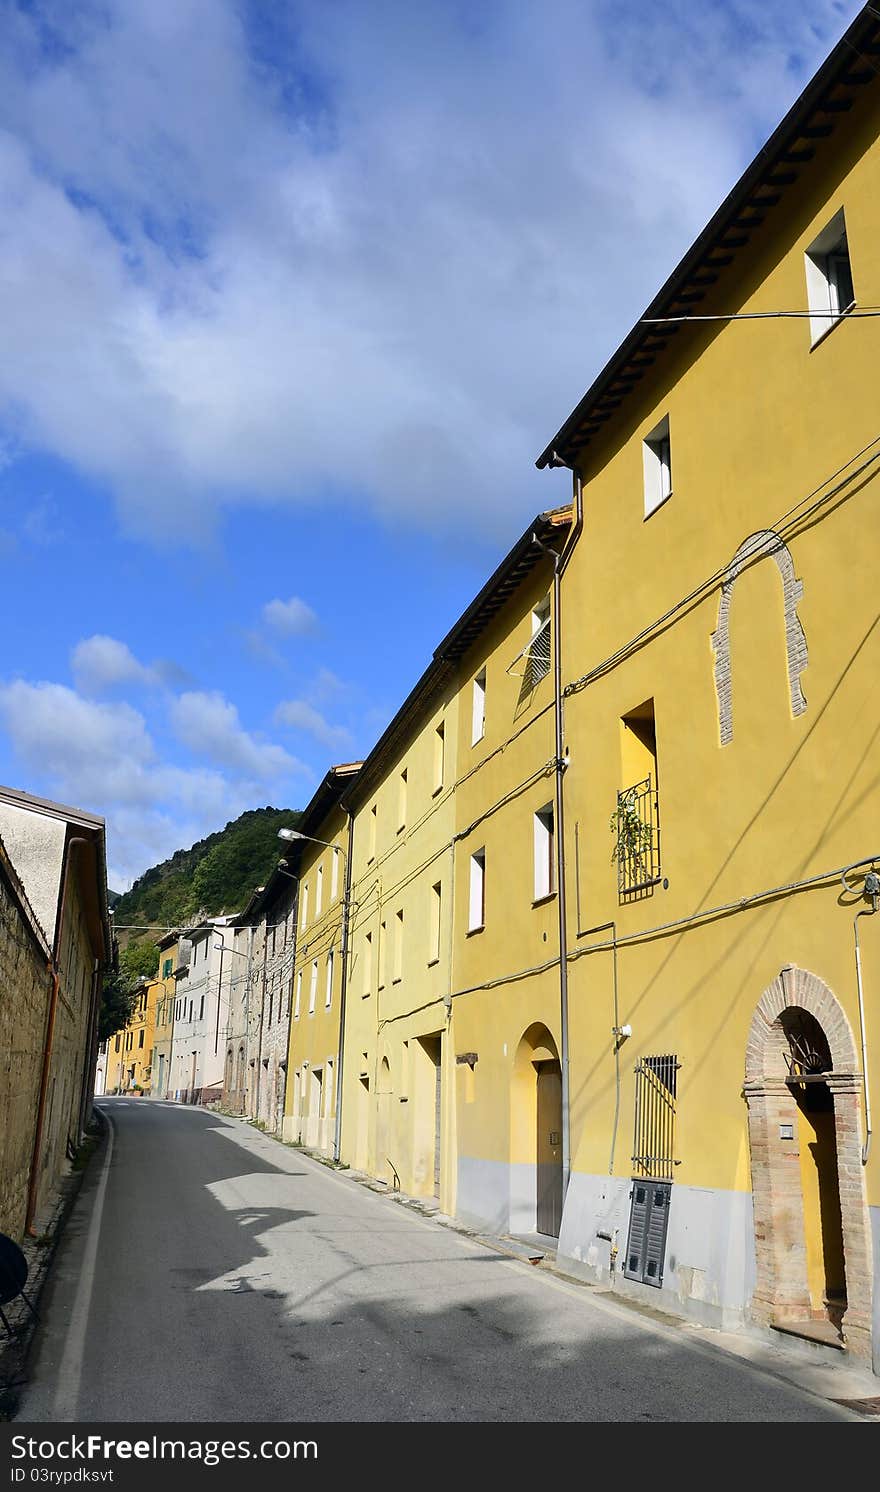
<point x="657" y="462"/>
<point x="829" y="277"/>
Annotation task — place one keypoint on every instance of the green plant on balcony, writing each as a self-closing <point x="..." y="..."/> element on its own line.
<point x="633" y="835"/>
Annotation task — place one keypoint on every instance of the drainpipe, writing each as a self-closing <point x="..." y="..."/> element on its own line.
<point x="560" y="564"/>
<point x="47" y="1046"/>
<point x="343" y="989"/>
<point x="872" y="889"/>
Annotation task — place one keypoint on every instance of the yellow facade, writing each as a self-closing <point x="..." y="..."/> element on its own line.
<point x="130" y="1051"/>
<point x="310" y="1105"/>
<point x="398" y="1121"/>
<point x="506" y="952"/>
<point x="724" y="647"/>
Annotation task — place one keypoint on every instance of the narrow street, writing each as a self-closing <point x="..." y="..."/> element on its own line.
<point x="210" y="1274"/>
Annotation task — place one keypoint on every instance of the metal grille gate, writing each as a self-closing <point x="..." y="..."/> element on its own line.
<point x="653" y="1161"/>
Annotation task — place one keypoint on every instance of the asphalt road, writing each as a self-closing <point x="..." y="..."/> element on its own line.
<point x="210" y="1274"/>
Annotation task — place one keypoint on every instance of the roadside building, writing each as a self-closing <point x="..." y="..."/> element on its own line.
<point x="131" y="1049"/>
<point x="54" y="897"/>
<point x="238" y="939"/>
<point x="163" y="1036"/>
<point x="719" y="666"/>
<point x="397" y="1116"/>
<point x="320" y="859"/>
<point x="201" y="1014"/>
<point x="506" y="969"/>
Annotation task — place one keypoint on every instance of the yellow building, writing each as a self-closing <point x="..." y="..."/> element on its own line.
<point x="506" y="981"/>
<point x="719" y="663"/>
<point x="397" y="1119"/>
<point x="130" y="1053"/>
<point x="165" y="986"/>
<point x="320" y="857"/>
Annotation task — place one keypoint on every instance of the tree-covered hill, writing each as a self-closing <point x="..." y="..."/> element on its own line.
<point x="217" y="874"/>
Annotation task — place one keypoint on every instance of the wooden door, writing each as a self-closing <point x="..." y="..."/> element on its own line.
<point x="549" y="1149"/>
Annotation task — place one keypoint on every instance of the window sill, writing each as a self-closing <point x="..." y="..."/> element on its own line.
<point x="438" y="789"/>
<point x="397" y="980"/>
<point x="541" y="901"/>
<point x="472" y="931"/>
<point x="433" y="962"/>
<point x="367" y="995"/>
<point x="841" y="316"/>
<point x="400" y="828"/>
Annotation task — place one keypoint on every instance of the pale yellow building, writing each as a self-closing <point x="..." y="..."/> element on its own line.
<point x="398" y="1117"/>
<point x="319" y="857"/>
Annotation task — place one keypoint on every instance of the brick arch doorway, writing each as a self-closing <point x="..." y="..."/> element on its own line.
<point x="803" y="1089"/>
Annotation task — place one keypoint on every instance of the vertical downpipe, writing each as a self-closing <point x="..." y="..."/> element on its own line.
<point x="343" y="988"/>
<point x="559" y="567"/>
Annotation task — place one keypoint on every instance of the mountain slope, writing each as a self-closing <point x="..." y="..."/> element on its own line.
<point x="217" y="874"/>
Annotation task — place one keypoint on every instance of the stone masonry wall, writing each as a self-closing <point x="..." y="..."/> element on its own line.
<point x="24" y="1001"/>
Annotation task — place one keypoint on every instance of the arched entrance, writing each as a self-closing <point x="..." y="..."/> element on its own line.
<point x="536" y="1135"/>
<point x="803" y="1088"/>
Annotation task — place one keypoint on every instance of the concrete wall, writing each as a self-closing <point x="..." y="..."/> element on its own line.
<point x="35" y="844"/>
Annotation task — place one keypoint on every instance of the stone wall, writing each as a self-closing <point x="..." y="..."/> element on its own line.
<point x="24" y="1002"/>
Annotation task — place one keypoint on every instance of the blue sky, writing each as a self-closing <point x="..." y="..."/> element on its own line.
<point x="291" y="297"/>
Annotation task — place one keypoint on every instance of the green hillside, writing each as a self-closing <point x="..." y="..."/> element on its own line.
<point x="217" y="874"/>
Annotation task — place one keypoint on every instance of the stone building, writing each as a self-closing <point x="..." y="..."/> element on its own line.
<point x="54" y="902"/>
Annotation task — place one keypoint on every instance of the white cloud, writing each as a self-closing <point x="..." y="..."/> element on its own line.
<point x="100" y="663"/>
<point x="208" y="725"/>
<point x="378" y="250"/>
<point x="289" y="618"/>
<point x="299" y="714"/>
<point x="101" y="757"/>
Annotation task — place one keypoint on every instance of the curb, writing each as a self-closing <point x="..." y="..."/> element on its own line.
<point x="40" y="1254"/>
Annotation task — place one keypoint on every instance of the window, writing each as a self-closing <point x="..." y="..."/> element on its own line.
<point x="478" y="720"/>
<point x="439" y="756"/>
<point x="202" y="1009"/>
<point x="328" y="993"/>
<point x="538" y="659"/>
<point x="435" y="922"/>
<point x="657" y="465"/>
<point x="636" y="823"/>
<point x="118" y="1045"/>
<point x="477" y="903"/>
<point x="319" y="891"/>
<point x="367" y="985"/>
<point x="372" y="854"/>
<point x="383" y="944"/>
<point x="313" y="987"/>
<point x="334" y="875"/>
<point x="544" y="852"/>
<point x="167" y="966"/>
<point x="829" y="277"/>
<point x="299" y="990"/>
<point x="305" y="907"/>
<point x="398" y="946"/>
<point x="401" y="802"/>
<point x="190" y="1009"/>
<point x="140" y="1038"/>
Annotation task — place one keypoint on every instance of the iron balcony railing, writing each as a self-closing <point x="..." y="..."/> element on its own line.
<point x="637" y="844"/>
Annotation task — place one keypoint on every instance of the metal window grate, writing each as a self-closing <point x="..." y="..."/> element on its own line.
<point x="637" y="845"/>
<point x="654" y="1131"/>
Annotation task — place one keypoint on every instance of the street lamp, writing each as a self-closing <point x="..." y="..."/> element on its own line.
<point x="294" y="835"/>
